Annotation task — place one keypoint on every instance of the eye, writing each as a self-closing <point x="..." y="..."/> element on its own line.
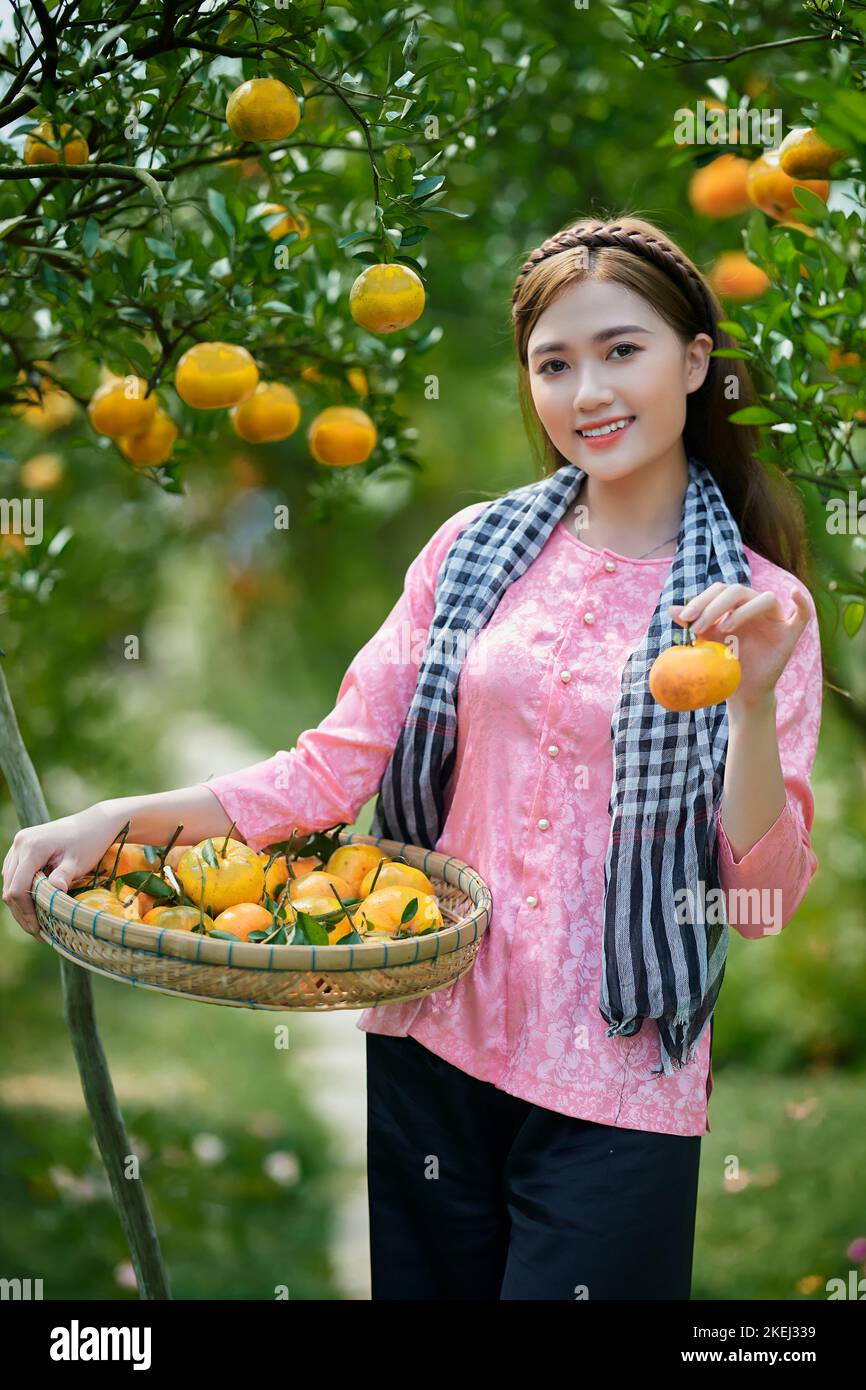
<point x="632" y="347"/>
<point x="541" y="370"/>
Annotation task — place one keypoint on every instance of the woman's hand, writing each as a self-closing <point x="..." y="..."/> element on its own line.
<point x="765" y="636"/>
<point x="65" y="849"/>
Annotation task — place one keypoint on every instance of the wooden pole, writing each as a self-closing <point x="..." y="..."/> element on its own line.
<point x="129" y="1196"/>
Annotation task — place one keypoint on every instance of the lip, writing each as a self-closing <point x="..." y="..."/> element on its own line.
<point x="605" y="441"/>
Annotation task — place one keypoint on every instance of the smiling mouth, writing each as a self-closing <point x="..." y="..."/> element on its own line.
<point x="600" y="430"/>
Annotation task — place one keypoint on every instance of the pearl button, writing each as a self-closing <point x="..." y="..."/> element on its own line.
<point x="553" y="750"/>
<point x="543" y="823"/>
<point x="532" y="900"/>
<point x="565" y="676"/>
<point x="610" y="566"/>
<point x="589" y="617"/>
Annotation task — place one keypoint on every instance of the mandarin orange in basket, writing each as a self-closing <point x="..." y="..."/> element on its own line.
<point x="694" y="675"/>
<point x="313" y="885"/>
<point x="321" y="908"/>
<point x="218" y="873"/>
<point x="383" y="909"/>
<point x="393" y="872"/>
<point x="102" y="899"/>
<point x="182" y="918"/>
<point x="243" y="918"/>
<point x="353" y="862"/>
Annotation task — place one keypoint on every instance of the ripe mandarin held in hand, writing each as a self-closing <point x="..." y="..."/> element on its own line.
<point x="271" y="413"/>
<point x="694" y="675"/>
<point x="342" y="435"/>
<point x="385" y="298"/>
<point x="262" y="108"/>
<point x="121" y="407"/>
<point x="214" y="376"/>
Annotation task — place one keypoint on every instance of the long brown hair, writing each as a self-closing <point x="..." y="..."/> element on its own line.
<point x="638" y="255"/>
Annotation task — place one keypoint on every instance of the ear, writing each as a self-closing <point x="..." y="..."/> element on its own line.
<point x="697" y="360"/>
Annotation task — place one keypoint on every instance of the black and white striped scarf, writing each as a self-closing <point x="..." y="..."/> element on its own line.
<point x="660" y="958"/>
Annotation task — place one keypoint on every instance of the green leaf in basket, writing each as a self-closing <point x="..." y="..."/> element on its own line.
<point x="316" y="932"/>
<point x="156" y="886"/>
<point x="208" y="854"/>
<point x="409" y="911"/>
<point x="350" y="938"/>
<point x="223" y="935"/>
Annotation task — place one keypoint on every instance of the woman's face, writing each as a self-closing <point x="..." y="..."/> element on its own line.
<point x="601" y="355"/>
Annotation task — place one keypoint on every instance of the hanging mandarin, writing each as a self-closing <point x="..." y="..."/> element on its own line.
<point x="771" y="189"/>
<point x="292" y="222"/>
<point x="804" y="155"/>
<point x="214" y="376"/>
<point x="342" y="435"/>
<point x="385" y="298"/>
<point x="44" y="145"/>
<point x="270" y="414"/>
<point x="152" y="446"/>
<point x="262" y="108"/>
<point x="121" y="407"/>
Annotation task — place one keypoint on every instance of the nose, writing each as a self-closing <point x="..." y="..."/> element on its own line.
<point x="592" y="390"/>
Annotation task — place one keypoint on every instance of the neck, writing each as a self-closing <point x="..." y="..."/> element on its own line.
<point x="638" y="512"/>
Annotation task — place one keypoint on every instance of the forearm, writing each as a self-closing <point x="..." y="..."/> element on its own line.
<point x="154" y="818"/>
<point x="754" y="792"/>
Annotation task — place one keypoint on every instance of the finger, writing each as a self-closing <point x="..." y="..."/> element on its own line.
<point x="730" y="614"/>
<point x="686" y="612"/>
<point x="762" y="605"/>
<point x="802" y="611"/>
<point x="716" y="597"/>
<point x="20" y="900"/>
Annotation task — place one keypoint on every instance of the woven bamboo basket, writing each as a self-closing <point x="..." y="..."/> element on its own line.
<point x="251" y="976"/>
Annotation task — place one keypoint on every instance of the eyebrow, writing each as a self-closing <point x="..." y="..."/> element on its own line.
<point x="600" y="337"/>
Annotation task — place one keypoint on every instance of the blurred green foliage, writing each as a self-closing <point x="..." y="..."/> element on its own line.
<point x="543" y="116"/>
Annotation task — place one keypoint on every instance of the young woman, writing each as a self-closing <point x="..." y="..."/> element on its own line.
<point x="534" y="1130"/>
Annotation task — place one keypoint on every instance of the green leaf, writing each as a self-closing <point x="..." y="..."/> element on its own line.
<point x="810" y="202"/>
<point x="852" y="617"/>
<point x="735" y="330"/>
<point x="209" y="855"/>
<point x="217" y="204"/>
<point x="754" y="415"/>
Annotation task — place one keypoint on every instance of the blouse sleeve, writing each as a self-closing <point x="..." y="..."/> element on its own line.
<point x="782" y="863"/>
<point x="334" y="768"/>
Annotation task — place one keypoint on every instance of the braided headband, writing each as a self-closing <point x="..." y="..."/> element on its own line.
<point x="639" y="244"/>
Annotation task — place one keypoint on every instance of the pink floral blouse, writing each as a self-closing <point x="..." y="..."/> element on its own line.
<point x="527" y="807"/>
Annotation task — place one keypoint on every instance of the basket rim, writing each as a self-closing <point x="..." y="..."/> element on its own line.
<point x="171" y="944"/>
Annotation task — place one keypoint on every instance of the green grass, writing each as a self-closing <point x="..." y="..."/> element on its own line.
<point x="800" y="1201"/>
<point x="185" y="1076"/>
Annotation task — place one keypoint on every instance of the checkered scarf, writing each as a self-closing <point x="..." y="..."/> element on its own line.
<point x="660" y="959"/>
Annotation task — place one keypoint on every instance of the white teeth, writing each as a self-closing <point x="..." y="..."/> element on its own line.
<point x="606" y="429"/>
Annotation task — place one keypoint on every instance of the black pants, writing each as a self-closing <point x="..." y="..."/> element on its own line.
<point x="476" y="1194"/>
